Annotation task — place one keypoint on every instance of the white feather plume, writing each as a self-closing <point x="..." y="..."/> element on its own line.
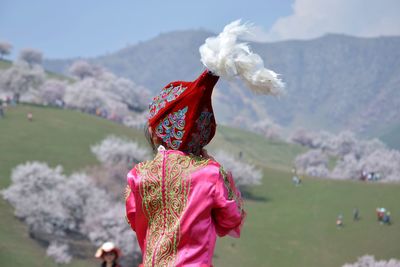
<point x="226" y="57"/>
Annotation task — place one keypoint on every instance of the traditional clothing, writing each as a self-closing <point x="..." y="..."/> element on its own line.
<point x="177" y="204"/>
<point x="181" y="115"/>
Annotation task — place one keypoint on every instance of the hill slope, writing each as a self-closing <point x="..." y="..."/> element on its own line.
<point x="286" y="225"/>
<point x="57" y="137"/>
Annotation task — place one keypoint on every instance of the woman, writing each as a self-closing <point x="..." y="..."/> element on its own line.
<point x="178" y="202"/>
<point x="181" y="200"/>
<point x="109" y="255"/>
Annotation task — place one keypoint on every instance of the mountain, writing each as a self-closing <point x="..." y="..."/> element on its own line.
<point x="334" y="82"/>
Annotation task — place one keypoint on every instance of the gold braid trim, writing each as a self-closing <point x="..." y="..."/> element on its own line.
<point x="232" y="191"/>
<point x="127" y="192"/>
<point x="163" y="201"/>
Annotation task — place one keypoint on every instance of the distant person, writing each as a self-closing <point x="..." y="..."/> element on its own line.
<point x="363" y="176"/>
<point x="109" y="255"/>
<point x="339" y="221"/>
<point x="386" y="218"/>
<point x="296" y="180"/>
<point x="15" y="99"/>
<point x="376" y="176"/>
<point x="60" y="103"/>
<point x="356" y="214"/>
<point x="30" y="116"/>
<point x="380" y="213"/>
<point x="104" y="113"/>
<point x="113" y="116"/>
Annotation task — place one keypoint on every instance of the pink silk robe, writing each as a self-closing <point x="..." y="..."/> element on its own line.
<point x="177" y="204"/>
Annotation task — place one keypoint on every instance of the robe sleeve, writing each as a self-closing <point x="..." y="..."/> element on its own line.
<point x="228" y="213"/>
<point x="130" y="200"/>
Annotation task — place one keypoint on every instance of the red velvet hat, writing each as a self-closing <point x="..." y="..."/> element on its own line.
<point x="182" y="116"/>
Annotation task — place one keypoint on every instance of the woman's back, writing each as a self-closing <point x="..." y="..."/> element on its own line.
<point x="177" y="204"/>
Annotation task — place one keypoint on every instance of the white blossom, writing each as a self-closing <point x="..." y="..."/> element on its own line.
<point x="137" y="121"/>
<point x="21" y="78"/>
<point x="52" y="92"/>
<point x="82" y="69"/>
<point x="59" y="252"/>
<point x="314" y="163"/>
<point x="114" y="150"/>
<point x="268" y="129"/>
<point x="31" y="56"/>
<point x="353" y="156"/>
<point x="243" y="173"/>
<point x="98" y="90"/>
<point x="5" y="49"/>
<point x="57" y="205"/>
<point x="369" y="261"/>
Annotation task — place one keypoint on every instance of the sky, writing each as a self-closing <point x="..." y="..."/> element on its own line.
<point x="88" y="28"/>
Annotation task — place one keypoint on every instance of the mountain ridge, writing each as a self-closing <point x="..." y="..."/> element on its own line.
<point x="334" y="82"/>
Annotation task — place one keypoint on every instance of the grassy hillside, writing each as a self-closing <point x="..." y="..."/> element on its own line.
<point x="255" y="148"/>
<point x="295" y="226"/>
<point x="286" y="225"/>
<point x="392" y="137"/>
<point x="57" y="137"/>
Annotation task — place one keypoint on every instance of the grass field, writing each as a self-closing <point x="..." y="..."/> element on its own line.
<point x="286" y="225"/>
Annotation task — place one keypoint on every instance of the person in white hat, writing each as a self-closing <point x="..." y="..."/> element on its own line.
<point x="109" y="255"/>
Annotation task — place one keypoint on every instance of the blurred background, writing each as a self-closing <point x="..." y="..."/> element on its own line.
<point x="319" y="167"/>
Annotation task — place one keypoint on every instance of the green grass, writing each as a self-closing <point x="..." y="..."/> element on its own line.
<point x="255" y="148"/>
<point x="285" y="225"/>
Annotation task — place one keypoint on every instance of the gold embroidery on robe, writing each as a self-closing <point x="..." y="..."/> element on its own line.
<point x="231" y="193"/>
<point x="163" y="201"/>
<point x="127" y="192"/>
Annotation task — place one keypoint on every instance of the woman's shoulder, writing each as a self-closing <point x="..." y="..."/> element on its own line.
<point x="138" y="167"/>
<point x="176" y="157"/>
<point x="212" y="166"/>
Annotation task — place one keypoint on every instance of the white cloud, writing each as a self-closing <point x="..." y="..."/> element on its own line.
<point x="313" y="18"/>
